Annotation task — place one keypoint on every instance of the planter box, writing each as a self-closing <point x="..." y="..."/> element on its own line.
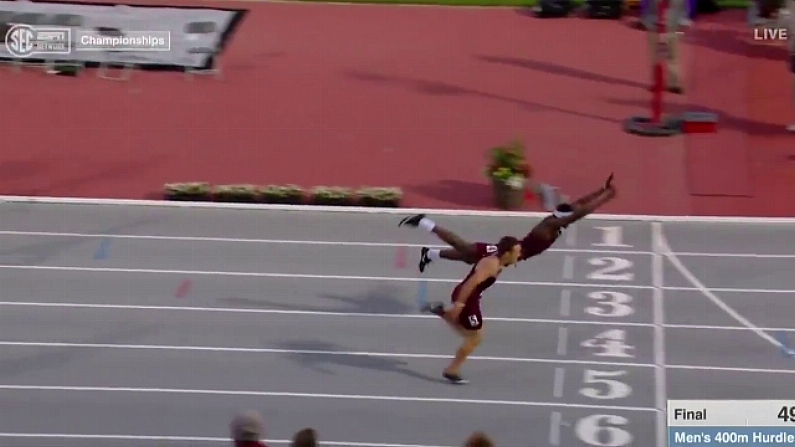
<point x="184" y="197"/>
<point x="234" y="198"/>
<point x="329" y="201"/>
<point x="507" y="198"/>
<point x="379" y="203"/>
<point x="282" y="200"/>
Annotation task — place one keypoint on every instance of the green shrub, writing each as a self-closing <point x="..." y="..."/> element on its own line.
<point x="331" y="196"/>
<point x="379" y="197"/>
<point x="192" y="192"/>
<point x="282" y="194"/>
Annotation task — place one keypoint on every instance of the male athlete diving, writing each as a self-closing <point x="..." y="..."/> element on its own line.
<point x="466" y="317"/>
<point x="538" y="240"/>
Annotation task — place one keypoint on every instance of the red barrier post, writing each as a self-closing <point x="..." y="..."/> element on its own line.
<point x="655" y="125"/>
<point x="659" y="66"/>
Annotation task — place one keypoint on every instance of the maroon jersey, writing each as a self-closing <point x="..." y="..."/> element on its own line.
<point x="473" y="300"/>
<point x="534" y="244"/>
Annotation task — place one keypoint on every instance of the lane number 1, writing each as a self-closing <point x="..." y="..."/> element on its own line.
<point x="612" y="237"/>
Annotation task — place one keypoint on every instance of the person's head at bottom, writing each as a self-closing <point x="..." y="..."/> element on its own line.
<point x="479" y="439"/>
<point x="305" y="438"/>
<point x="246" y="429"/>
<point x="508" y="250"/>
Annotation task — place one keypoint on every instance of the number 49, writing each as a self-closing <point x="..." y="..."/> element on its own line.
<point x="787" y="414"/>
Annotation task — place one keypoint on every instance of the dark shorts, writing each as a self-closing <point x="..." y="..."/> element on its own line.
<point x="471" y="318"/>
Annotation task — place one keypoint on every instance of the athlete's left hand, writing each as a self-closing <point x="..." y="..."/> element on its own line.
<point x="609" y="182"/>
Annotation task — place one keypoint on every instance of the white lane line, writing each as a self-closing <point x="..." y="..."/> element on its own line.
<point x="215" y="349"/>
<point x="665" y="250"/>
<point x="557" y="383"/>
<point x="60" y="345"/>
<point x="730" y="369"/>
<point x="565" y="302"/>
<point x="729" y="290"/>
<point x="735" y="255"/>
<point x="563" y="341"/>
<point x="371" y="315"/>
<point x="725" y="328"/>
<point x="296" y="276"/>
<point x="277" y="241"/>
<point x="384" y="398"/>
<point x="568" y="268"/>
<point x="191" y="439"/>
<point x="570" y="237"/>
<point x="298" y="312"/>
<point x="660" y="385"/>
<point x="555" y="420"/>
<point x="365" y="278"/>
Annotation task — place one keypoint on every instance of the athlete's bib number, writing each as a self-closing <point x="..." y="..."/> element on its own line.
<point x="491" y="249"/>
<point x="473" y="320"/>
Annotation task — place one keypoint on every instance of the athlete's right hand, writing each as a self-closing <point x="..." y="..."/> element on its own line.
<point x="454" y="312"/>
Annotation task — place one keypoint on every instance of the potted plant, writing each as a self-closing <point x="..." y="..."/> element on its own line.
<point x="379" y="197"/>
<point x="509" y="171"/>
<point x="286" y="195"/>
<point x="236" y="193"/>
<point x="191" y="192"/>
<point x="331" y="196"/>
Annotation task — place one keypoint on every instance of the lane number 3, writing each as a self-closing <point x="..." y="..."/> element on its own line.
<point x="610" y="304"/>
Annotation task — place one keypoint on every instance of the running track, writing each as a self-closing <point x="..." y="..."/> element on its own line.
<point x="151" y="326"/>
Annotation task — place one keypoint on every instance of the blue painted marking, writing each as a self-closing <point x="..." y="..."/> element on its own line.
<point x="422" y="294"/>
<point x="786" y="351"/>
<point x="103" y="251"/>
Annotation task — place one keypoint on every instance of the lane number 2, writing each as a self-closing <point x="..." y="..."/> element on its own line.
<point x="603" y="386"/>
<point x="610" y="343"/>
<point x="610" y="304"/>
<point x="612" y="237"/>
<point x="611" y="269"/>
<point x="603" y="430"/>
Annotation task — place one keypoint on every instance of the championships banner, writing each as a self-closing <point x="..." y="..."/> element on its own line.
<point x="89" y="33"/>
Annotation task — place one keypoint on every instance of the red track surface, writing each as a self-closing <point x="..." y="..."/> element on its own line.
<point x="412" y="97"/>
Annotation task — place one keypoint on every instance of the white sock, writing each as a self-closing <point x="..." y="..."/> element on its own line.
<point x="434" y="254"/>
<point x="427" y="224"/>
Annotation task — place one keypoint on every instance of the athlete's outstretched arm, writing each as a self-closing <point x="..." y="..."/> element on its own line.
<point x="588" y="198"/>
<point x="594" y="195"/>
<point x="588" y="208"/>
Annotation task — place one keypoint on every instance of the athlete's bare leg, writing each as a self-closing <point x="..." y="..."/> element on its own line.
<point x="462" y="250"/>
<point x="451" y="239"/>
<point x="472" y="340"/>
<point x="451" y="254"/>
